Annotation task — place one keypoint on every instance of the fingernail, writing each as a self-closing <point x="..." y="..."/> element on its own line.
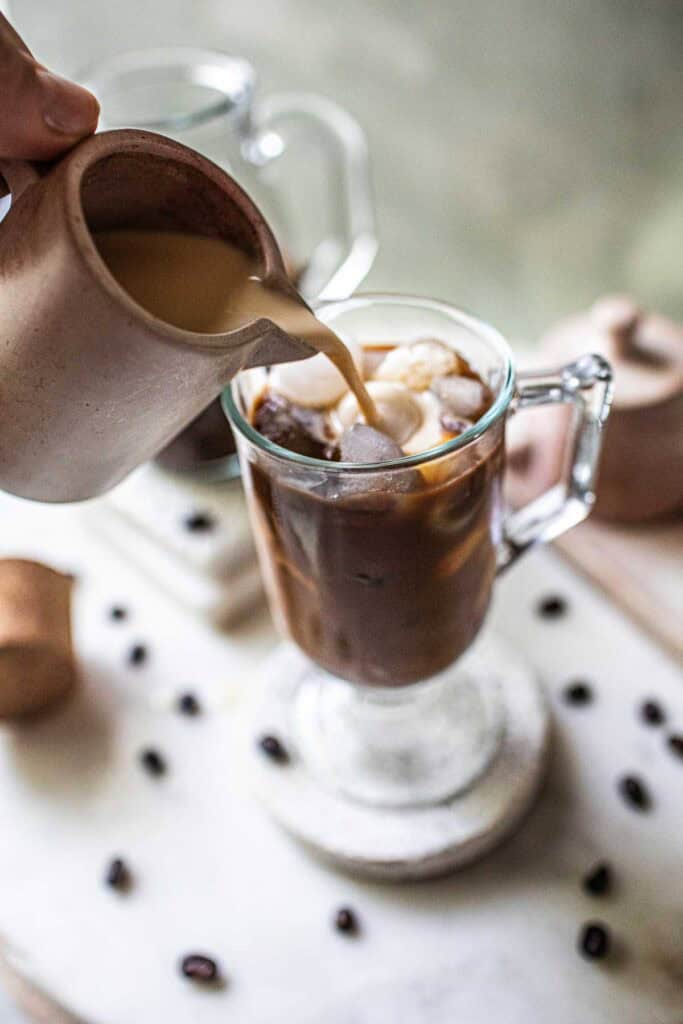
<point x="67" y="108"/>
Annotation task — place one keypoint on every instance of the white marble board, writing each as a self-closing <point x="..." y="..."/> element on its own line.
<point x="495" y="942"/>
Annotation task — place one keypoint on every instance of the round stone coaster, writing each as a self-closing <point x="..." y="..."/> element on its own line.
<point x="402" y="843"/>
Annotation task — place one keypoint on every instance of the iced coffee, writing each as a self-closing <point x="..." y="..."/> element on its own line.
<point x="380" y="566"/>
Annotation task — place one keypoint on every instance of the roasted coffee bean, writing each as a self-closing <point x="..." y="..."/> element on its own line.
<point x="651" y="711"/>
<point x="598" y="881"/>
<point x="273" y="748"/>
<point x="137" y="655"/>
<point x="635" y="792"/>
<point x="118" y="613"/>
<point x="152" y="761"/>
<point x="578" y="693"/>
<point x="551" y="607"/>
<point x="346" y="921"/>
<point x="117" y="875"/>
<point x="675" y="744"/>
<point x="199" y="522"/>
<point x="594" y="940"/>
<point x="188" y="704"/>
<point x="199" y="967"/>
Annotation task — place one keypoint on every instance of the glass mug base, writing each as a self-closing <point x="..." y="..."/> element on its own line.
<point x="382" y="789"/>
<point x="399" y="746"/>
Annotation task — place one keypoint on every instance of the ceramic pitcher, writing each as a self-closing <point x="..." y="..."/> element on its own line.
<point x="92" y="383"/>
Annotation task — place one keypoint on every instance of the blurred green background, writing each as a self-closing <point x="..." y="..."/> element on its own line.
<point x="527" y="154"/>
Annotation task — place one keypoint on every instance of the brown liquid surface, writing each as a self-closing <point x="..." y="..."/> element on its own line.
<point x="208" y="286"/>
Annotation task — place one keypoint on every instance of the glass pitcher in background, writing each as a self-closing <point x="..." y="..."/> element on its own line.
<point x="301" y="157"/>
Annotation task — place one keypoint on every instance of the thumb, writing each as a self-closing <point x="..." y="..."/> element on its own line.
<point x="41" y="114"/>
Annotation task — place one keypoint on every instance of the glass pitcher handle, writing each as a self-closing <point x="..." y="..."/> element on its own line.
<point x="337" y="266"/>
<point x="586" y="386"/>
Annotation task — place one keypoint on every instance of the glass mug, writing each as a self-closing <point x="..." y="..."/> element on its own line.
<point x="382" y="574"/>
<point x="300" y="157"/>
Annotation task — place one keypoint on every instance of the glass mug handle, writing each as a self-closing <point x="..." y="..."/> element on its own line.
<point x="337" y="266"/>
<point x="586" y="386"/>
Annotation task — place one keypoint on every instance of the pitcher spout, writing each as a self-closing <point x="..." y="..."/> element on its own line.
<point x="275" y="346"/>
<point x="280" y="330"/>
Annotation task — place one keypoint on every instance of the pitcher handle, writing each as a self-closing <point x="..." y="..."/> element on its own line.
<point x="338" y="265"/>
<point x="586" y="385"/>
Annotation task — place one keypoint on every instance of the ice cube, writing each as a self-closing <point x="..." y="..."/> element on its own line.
<point x="417" y="364"/>
<point x="399" y="411"/>
<point x="364" y="445"/>
<point x="361" y="443"/>
<point x="299" y="430"/>
<point x="462" y="396"/>
<point x="313" y="382"/>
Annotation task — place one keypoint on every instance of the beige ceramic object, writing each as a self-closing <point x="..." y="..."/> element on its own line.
<point x="37" y="666"/>
<point x="93" y="384"/>
<point x="641" y="469"/>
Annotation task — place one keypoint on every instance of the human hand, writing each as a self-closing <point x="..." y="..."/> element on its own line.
<point x="41" y="114"/>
